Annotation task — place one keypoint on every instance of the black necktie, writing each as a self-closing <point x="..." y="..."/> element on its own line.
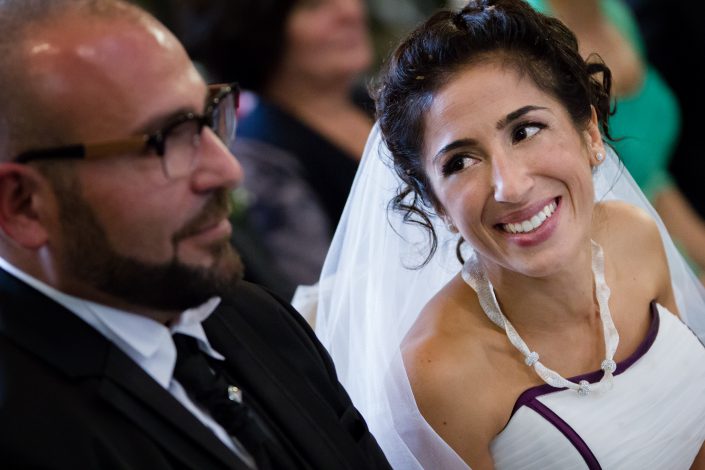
<point x="206" y="384"/>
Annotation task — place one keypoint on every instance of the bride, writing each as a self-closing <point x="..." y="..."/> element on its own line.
<point x="559" y="341"/>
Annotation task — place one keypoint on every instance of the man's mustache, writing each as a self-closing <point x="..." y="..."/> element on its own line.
<point x="216" y="208"/>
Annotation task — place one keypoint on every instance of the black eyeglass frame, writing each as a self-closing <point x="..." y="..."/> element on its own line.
<point x="155" y="140"/>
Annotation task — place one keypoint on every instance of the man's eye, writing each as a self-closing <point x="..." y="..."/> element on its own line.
<point x="526" y="131"/>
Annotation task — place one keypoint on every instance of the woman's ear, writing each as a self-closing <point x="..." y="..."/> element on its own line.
<point x="449" y="224"/>
<point x="595" y="142"/>
<point x="20" y="197"/>
<point x="447" y="220"/>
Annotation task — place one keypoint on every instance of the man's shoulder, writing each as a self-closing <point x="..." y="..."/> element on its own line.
<point x="278" y="355"/>
<point x="261" y="307"/>
<point x="273" y="323"/>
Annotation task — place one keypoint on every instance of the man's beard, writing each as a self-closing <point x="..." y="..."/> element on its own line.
<point x="89" y="257"/>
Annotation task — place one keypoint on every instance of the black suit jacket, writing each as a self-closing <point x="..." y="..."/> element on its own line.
<point x="69" y="398"/>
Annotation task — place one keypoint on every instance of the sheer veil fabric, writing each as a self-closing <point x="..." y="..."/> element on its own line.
<point x="369" y="298"/>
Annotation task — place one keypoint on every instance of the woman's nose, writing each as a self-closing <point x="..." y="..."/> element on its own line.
<point x="510" y="180"/>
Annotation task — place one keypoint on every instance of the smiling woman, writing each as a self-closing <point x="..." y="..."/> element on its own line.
<point x="548" y="342"/>
<point x="502" y="153"/>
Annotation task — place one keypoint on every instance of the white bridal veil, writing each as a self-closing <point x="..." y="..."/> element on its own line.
<point x="369" y="298"/>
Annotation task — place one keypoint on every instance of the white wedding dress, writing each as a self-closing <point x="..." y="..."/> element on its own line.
<point x="654" y="417"/>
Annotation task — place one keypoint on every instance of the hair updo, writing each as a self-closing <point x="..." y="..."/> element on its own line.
<point x="532" y="43"/>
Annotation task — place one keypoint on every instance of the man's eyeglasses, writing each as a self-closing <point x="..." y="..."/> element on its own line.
<point x="176" y="143"/>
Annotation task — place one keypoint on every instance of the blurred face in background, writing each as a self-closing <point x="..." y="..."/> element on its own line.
<point x="327" y="40"/>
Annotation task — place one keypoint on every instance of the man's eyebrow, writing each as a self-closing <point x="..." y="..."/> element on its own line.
<point x="158" y="122"/>
<point x="514" y="115"/>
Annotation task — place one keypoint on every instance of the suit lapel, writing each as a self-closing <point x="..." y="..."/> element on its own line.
<point x="289" y="401"/>
<point x="58" y="337"/>
<point x="128" y="388"/>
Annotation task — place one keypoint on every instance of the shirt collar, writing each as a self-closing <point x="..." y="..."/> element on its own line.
<point x="143" y="339"/>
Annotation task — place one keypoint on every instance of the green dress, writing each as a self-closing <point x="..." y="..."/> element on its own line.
<point x="648" y="121"/>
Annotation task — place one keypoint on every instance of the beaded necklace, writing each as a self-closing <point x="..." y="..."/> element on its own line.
<point x="475" y="276"/>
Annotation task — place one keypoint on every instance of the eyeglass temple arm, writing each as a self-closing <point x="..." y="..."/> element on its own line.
<point x="117" y="147"/>
<point x="86" y="151"/>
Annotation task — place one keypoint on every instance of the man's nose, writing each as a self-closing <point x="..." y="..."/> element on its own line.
<point x="218" y="167"/>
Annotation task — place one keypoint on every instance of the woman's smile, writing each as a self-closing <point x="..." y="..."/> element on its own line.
<point x="535" y="229"/>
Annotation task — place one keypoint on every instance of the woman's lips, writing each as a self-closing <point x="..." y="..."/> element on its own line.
<point x="533" y="228"/>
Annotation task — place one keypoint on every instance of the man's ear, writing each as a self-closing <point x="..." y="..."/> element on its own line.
<point x="20" y="199"/>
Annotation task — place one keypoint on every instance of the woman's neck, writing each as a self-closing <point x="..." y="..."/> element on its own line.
<point x="545" y="304"/>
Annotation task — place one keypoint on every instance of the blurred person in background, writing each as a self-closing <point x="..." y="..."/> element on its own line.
<point x="666" y="27"/>
<point x="647" y="121"/>
<point x="301" y="140"/>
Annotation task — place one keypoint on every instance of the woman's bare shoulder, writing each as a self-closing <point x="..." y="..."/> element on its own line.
<point x="627" y="220"/>
<point x="449" y="326"/>
<point x="446" y="356"/>
<point x="629" y="232"/>
<point x="630" y="236"/>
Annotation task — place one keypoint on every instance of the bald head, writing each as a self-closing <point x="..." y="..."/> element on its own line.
<point x="62" y="59"/>
<point x="102" y="73"/>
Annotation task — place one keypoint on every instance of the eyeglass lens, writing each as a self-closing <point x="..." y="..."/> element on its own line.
<point x="183" y="140"/>
<point x="224" y="119"/>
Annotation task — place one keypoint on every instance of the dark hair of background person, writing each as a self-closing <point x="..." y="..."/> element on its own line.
<point x="259" y="26"/>
<point x="534" y="44"/>
<point x="247" y="47"/>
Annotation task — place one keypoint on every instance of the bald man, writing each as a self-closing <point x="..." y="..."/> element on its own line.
<point x="127" y="339"/>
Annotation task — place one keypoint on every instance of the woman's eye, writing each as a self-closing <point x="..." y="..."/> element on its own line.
<point x="456" y="163"/>
<point x="526" y="131"/>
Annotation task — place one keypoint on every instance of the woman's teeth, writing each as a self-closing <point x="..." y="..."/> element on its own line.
<point x="534" y="222"/>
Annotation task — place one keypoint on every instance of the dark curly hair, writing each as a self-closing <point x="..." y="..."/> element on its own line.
<point x="535" y="44"/>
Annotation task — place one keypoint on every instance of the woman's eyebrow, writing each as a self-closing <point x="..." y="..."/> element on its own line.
<point x="514" y="115"/>
<point x="452" y="146"/>
<point x="501" y="124"/>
